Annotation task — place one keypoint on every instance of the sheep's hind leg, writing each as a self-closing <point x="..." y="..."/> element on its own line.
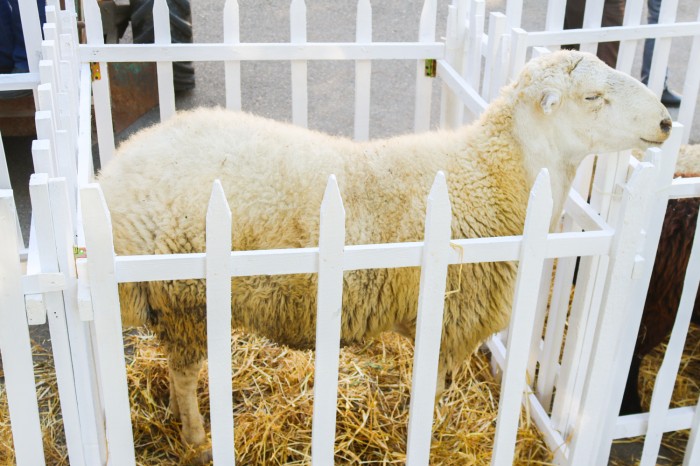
<point x="173" y="407"/>
<point x="183" y="398"/>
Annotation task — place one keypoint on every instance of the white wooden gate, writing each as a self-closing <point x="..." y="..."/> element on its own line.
<point x="572" y="399"/>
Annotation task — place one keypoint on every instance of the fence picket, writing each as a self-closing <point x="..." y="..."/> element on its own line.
<point x="424" y="84"/>
<point x="450" y="106"/>
<point x="532" y="255"/>
<point x="218" y="256"/>
<point x="666" y="376"/>
<point x="633" y="17"/>
<point x="29" y="15"/>
<point x="664" y="161"/>
<point x="554" y="335"/>
<point x="431" y="304"/>
<point x="161" y="34"/>
<point x="592" y="19"/>
<point x="100" y="84"/>
<point x="108" y="326"/>
<point x="15" y="345"/>
<point x="60" y="345"/>
<point x="692" y="450"/>
<point x="331" y="244"/>
<point x="496" y="31"/>
<point x="232" y="68"/>
<point x="300" y="100"/>
<point x="595" y="399"/>
<point x="363" y="71"/>
<point x="91" y="422"/>
<point x="662" y="49"/>
<point x="690" y="89"/>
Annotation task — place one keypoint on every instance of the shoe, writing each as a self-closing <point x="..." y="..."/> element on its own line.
<point x="670" y="98"/>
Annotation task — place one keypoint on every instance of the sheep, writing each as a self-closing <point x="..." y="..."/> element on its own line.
<point x="562" y="107"/>
<point x="668" y="274"/>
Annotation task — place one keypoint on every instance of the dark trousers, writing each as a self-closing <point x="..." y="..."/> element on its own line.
<point x="613" y="14"/>
<point x="13" y="55"/>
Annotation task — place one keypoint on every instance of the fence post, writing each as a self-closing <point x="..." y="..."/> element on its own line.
<point x="331" y="243"/>
<point x="431" y="305"/>
<point x="665" y="378"/>
<point x="46" y="244"/>
<point x="82" y="354"/>
<point x="15" y="344"/>
<point x="218" y="276"/>
<point x="664" y="161"/>
<point x="596" y="406"/>
<point x="108" y="326"/>
<point x="531" y="262"/>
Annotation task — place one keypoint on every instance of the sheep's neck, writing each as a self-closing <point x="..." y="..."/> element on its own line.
<point x="544" y="146"/>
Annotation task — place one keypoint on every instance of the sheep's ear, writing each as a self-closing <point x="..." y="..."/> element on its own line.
<point x="550" y="99"/>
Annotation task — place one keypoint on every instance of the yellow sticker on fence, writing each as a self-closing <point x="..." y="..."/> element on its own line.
<point x="95" y="71"/>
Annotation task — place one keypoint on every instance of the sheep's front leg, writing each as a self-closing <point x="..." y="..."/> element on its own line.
<point x="408" y="330"/>
<point x="183" y="400"/>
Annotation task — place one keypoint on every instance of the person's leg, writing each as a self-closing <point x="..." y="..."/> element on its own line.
<point x="653" y="7"/>
<point x="7" y="39"/>
<point x="613" y="15"/>
<point x="19" y="52"/>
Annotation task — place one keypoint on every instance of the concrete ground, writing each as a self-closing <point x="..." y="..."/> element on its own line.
<point x="266" y="85"/>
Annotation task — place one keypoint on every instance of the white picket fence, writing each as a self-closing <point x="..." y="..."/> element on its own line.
<point x="571" y="395"/>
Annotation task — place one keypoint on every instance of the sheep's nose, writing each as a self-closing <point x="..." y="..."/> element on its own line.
<point x="666" y="124"/>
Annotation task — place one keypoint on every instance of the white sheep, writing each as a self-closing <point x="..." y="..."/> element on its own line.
<point x="562" y="107"/>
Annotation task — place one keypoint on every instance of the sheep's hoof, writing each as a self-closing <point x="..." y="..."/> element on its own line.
<point x="198" y="455"/>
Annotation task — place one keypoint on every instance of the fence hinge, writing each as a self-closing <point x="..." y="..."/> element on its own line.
<point x="95" y="71"/>
<point x="431" y="67"/>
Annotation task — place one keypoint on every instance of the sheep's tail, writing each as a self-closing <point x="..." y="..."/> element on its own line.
<point x="134" y="304"/>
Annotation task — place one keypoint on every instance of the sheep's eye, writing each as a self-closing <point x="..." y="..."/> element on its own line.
<point x="593" y="97"/>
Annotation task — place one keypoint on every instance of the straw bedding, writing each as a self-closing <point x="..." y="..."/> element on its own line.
<point x="273" y="400"/>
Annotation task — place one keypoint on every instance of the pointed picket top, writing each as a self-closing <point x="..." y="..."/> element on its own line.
<point x="332" y="200"/>
<point x="161" y="22"/>
<point x="93" y="22"/>
<point x="218" y="204"/>
<point x="540" y="194"/>
<point x="231" y="22"/>
<point x="438" y="191"/>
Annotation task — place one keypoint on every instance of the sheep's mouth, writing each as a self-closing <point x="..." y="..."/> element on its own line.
<point x="653" y="143"/>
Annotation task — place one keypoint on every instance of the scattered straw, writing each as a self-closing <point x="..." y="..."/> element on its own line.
<point x="273" y="401"/>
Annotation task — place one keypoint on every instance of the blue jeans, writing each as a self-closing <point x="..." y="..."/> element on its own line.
<point x="13" y="55"/>
<point x="653" y="6"/>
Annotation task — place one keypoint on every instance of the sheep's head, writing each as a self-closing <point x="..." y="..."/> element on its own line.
<point x="581" y="106"/>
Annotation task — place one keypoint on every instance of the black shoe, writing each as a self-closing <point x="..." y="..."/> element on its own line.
<point x="670" y="98"/>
